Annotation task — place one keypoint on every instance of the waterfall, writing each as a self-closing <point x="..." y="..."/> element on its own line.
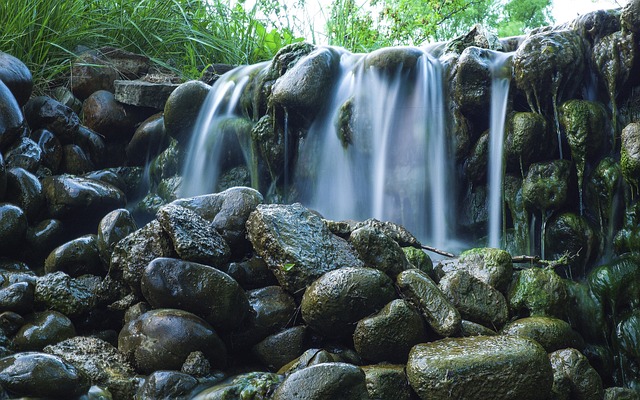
<point x="381" y="149"/>
<point x="500" y="79"/>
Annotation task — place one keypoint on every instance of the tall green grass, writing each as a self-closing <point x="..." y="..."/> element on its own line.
<point x="182" y="35"/>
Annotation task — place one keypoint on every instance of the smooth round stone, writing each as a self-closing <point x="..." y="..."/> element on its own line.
<point x="42" y="329"/>
<point x="25" y="191"/>
<point x="13" y="227"/>
<point x="75" y="160"/>
<point x="323" y="382"/>
<point x="44" y="237"/>
<point x="104" y="115"/>
<point x="24" y="153"/>
<point x="50" y="147"/>
<point x="480" y="367"/>
<point x="387" y="382"/>
<point x="251" y="274"/>
<point x="10" y="322"/>
<point x="538" y="292"/>
<point x="15" y="74"/>
<point x="146" y="340"/>
<point x="12" y="121"/>
<point x="379" y="251"/>
<point x="281" y="348"/>
<point x="574" y="377"/>
<point x="552" y="333"/>
<point x="390" y="334"/>
<point x="148" y="140"/>
<point x="182" y="108"/>
<point x="334" y="303"/>
<point x="197" y="288"/>
<point x="253" y="385"/>
<point x="77" y="257"/>
<point x="167" y="385"/>
<point x="45" y="112"/>
<point x="93" y="145"/>
<point x="41" y="375"/>
<point x="112" y="228"/>
<point x="17" y="297"/>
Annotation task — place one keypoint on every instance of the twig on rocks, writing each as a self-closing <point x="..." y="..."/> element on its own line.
<point x="438" y="251"/>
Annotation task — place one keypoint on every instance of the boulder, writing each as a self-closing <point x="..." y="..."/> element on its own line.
<point x="42" y="329"/>
<point x="149" y="140"/>
<point x="142" y="93"/>
<point x="43" y="112"/>
<point x="71" y="296"/>
<point x="24" y="153"/>
<point x="538" y="292"/>
<point x="387" y="382"/>
<point x="113" y="120"/>
<point x="16" y="76"/>
<point x="112" y="228"/>
<point x="379" y="251"/>
<point x="630" y="155"/>
<point x="25" y="190"/>
<point x="77" y="257"/>
<point x="324" y="382"/>
<point x="552" y="333"/>
<point x="12" y="122"/>
<point x="282" y="347"/>
<point x="182" y="108"/>
<point x="254" y="385"/>
<point x="574" y="377"/>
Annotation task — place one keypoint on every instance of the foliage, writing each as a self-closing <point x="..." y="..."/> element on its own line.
<point x="183" y="35"/>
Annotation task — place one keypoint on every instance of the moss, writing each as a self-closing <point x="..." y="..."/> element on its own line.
<point x="538" y="292"/>
<point x="419" y="259"/>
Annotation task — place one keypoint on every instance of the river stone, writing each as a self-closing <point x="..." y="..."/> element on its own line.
<point x="475" y="165"/>
<point x="251" y="273"/>
<point x="615" y="285"/>
<point x="13" y="227"/>
<point x="70" y="296"/>
<point x="100" y="361"/>
<point x="620" y="393"/>
<point x="393" y="59"/>
<point x="77" y="257"/>
<point x="104" y="115"/>
<point x="112" y="228"/>
<point x="316" y="356"/>
<point x="194" y="239"/>
<point x="574" y="377"/>
<point x="527" y="139"/>
<point x="272" y="309"/>
<point x="3" y="177"/>
<point x="552" y="333"/>
<point x="252" y="386"/>
<point x="419" y="259"/>
<point x="546" y="186"/>
<point x="35" y="374"/>
<point x="306" y="85"/>
<point x="389" y="334"/>
<point x="491" y="266"/>
<point x="43" y="238"/>
<point x="132" y="254"/>
<point x="16" y="76"/>
<point x="572" y="234"/>
<point x="387" y="382"/>
<point x="475" y="300"/>
<point x="182" y="108"/>
<point x="324" y="382"/>
<point x="149" y="140"/>
<point x="12" y="122"/>
<point x="164" y="338"/>
<point x="42" y="329"/>
<point x="468" y="328"/>
<point x="480" y="367"/>
<point x="50" y="147"/>
<point x="228" y="212"/>
<point x="395" y="231"/>
<point x="25" y="191"/>
<point x="93" y="145"/>
<point x="69" y="195"/>
<point x="75" y="161"/>
<point x="200" y="289"/>
<point x="90" y="73"/>
<point x="417" y="288"/>
<point x="45" y="112"/>
<point x="24" y="153"/>
<point x="281" y="348"/>
<point x="379" y="251"/>
<point x="167" y="385"/>
<point x="630" y="155"/>
<point x="16" y="297"/>
<point x="538" y="292"/>
<point x="296" y="245"/>
<point x="334" y="303"/>
<point x="626" y="334"/>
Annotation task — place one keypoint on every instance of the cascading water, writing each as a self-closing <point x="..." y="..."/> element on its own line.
<point x="382" y="148"/>
<point x="500" y="79"/>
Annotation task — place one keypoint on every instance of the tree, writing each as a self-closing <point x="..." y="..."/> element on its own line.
<point x="520" y="16"/>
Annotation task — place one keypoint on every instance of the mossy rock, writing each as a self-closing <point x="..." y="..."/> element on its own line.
<point x="538" y="292"/>
<point x="546" y="186"/>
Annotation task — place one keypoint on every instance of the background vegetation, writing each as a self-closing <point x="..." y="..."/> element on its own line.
<point x="187" y="35"/>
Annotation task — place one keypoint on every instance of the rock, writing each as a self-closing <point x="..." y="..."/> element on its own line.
<point x="630" y="155"/>
<point x="476" y="300"/>
<point x="570" y="233"/>
<point x="630" y="16"/>
<point x="167" y="164"/>
<point x="480" y="367"/>
<point x="69" y="195"/>
<point x="50" y="149"/>
<point x="272" y="309"/>
<point x="70" y="296"/>
<point x="77" y="257"/>
<point x="34" y="374"/>
<point x="379" y="251"/>
<point x="93" y="145"/>
<point x="469" y="328"/>
<point x="477" y="36"/>
<point x="16" y="297"/>
<point x="196" y="365"/>
<point x="574" y="377"/>
<point x="253" y="385"/>
<point x="324" y="381"/>
<point x="552" y="333"/>
<point x="100" y="361"/>
<point x="334" y="303"/>
<point x="387" y="382"/>
<point x="491" y="266"/>
<point x="393" y="59"/>
<point x="182" y="108"/>
<point x="141" y="93"/>
<point x="132" y="254"/>
<point x="281" y="348"/>
<point x="628" y="238"/>
<point x="546" y="186"/>
<point x="296" y="245"/>
<point x="43" y="112"/>
<point x="417" y="288"/>
<point x="615" y="285"/>
<point x="25" y="191"/>
<point x="75" y="161"/>
<point x="66" y="97"/>
<point x="527" y="140"/>
<point x="619" y="393"/>
<point x="167" y="385"/>
<point x="472" y="84"/>
<point x="268" y="136"/>
<point x="251" y="274"/>
<point x="194" y="239"/>
<point x="626" y="336"/>
<point x="419" y="259"/>
<point x="43" y="238"/>
<point x="475" y="166"/>
<point x="597" y="24"/>
<point x="103" y="114"/>
<point x="538" y="292"/>
<point x="42" y="329"/>
<point x="12" y="121"/>
<point x="228" y="212"/>
<point x="588" y="315"/>
<point x="389" y="334"/>
<point x="315" y="356"/>
<point x="24" y="153"/>
<point x="148" y="140"/>
<point x="17" y="77"/>
<point x="200" y="289"/>
<point x="13" y="227"/>
<point x="145" y="340"/>
<point x="113" y="227"/>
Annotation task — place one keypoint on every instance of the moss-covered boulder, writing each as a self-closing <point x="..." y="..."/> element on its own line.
<point x="616" y="285"/>
<point x="489" y="265"/>
<point x="538" y="292"/>
<point x="527" y="140"/>
<point x="552" y="333"/>
<point x="628" y="238"/>
<point x="630" y="155"/>
<point x="546" y="186"/>
<point x="571" y="234"/>
<point x="379" y="251"/>
<point x="574" y="377"/>
<point x="324" y="382"/>
<point x="253" y="385"/>
<point x="387" y="382"/>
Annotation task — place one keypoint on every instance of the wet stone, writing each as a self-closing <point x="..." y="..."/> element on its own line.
<point x="491" y="266"/>
<point x="324" y="381"/>
<point x="538" y="292"/>
<point x="43" y="238"/>
<point x="70" y="296"/>
<point x="15" y="74"/>
<point x="13" y="227"/>
<point x="167" y="385"/>
<point x="12" y="121"/>
<point x="104" y="115"/>
<point x="24" y="153"/>
<point x="552" y="333"/>
<point x="253" y="385"/>
<point x="468" y="328"/>
<point x="17" y="297"/>
<point x="379" y="251"/>
<point x="181" y="109"/>
<point x="387" y="382"/>
<point x="279" y="349"/>
<point x="25" y="191"/>
<point x="196" y="365"/>
<point x="45" y="112"/>
<point x="142" y="93"/>
<point x="77" y="257"/>
<point x="149" y="140"/>
<point x="574" y="377"/>
<point x="112" y="228"/>
<point x="74" y="160"/>
<point x="42" y="329"/>
<point x="251" y="274"/>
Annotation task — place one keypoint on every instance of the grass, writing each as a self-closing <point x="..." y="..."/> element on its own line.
<point x="182" y="35"/>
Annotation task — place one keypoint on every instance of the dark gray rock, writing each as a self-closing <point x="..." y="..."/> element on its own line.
<point x="50" y="148"/>
<point x="77" y="257"/>
<point x="200" y="289"/>
<point x="45" y="112"/>
<point x="93" y="145"/>
<point x="25" y="191"/>
<point x="42" y="238"/>
<point x="417" y="288"/>
<point x="142" y="93"/>
<point x="149" y="140"/>
<point x="538" y="292"/>
<point x="70" y="296"/>
<point x="75" y="161"/>
<point x="472" y="84"/>
<point x="24" y="153"/>
<point x="469" y="328"/>
<point x="480" y="367"/>
<point x="113" y="120"/>
<point x="17" y="297"/>
<point x="281" y="348"/>
<point x="379" y="251"/>
<point x="42" y="329"/>
<point x="16" y="76"/>
<point x="252" y="273"/>
<point x="13" y="227"/>
<point x="166" y="385"/>
<point x="253" y="385"/>
<point x="12" y="122"/>
<point x="574" y="377"/>
<point x="630" y="155"/>
<point x="387" y="382"/>
<point x="146" y="339"/>
<point x="620" y="393"/>
<point x="181" y="110"/>
<point x="196" y="365"/>
<point x="324" y="382"/>
<point x="528" y="139"/>
<point x="113" y="227"/>
<point x="296" y="245"/>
